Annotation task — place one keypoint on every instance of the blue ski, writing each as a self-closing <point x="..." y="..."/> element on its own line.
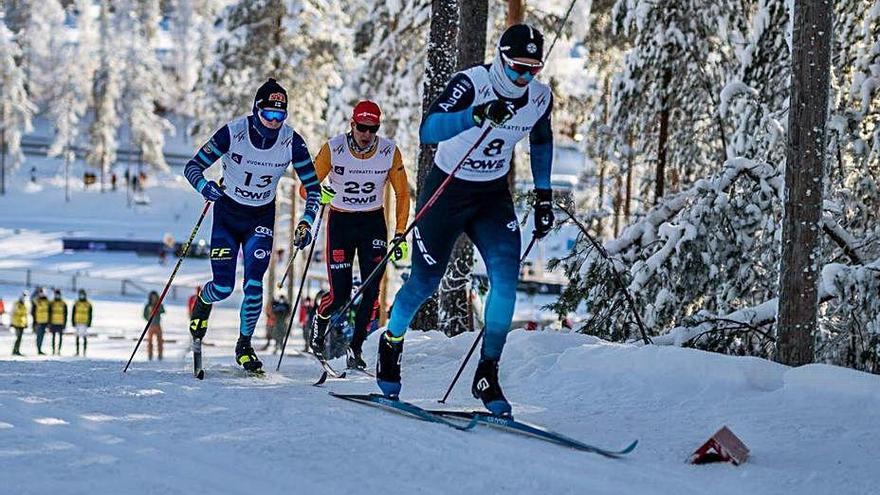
<point x="511" y="425"/>
<point x="399" y="406"/>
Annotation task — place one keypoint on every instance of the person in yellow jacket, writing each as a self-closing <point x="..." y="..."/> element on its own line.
<point x="19" y="323"/>
<point x="57" y="320"/>
<point x="358" y="164"/>
<point x="81" y="318"/>
<point x="40" y="315"/>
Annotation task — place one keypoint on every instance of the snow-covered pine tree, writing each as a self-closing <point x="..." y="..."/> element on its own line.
<point x="703" y="265"/>
<point x="106" y="92"/>
<point x="666" y="98"/>
<point x="16" y="109"/>
<point x="804" y="182"/>
<point x="144" y="80"/>
<point x="442" y="60"/>
<point x="71" y="92"/>
<point x="271" y="38"/>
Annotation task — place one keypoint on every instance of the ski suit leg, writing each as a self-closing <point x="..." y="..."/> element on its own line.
<point x="339" y="252"/>
<point x="256" y="250"/>
<point x="433" y="238"/>
<point x="224" y="256"/>
<point x="496" y="235"/>
<point x="372" y="244"/>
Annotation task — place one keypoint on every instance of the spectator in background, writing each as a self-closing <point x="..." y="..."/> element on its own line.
<point x="304" y="310"/>
<point x="19" y="322"/>
<point x="113" y="181"/>
<point x="280" y="313"/>
<point x="2" y="311"/>
<point x="34" y="174"/>
<point x="81" y="318"/>
<point x="57" y="320"/>
<point x="190" y="304"/>
<point x="40" y="315"/>
<point x="154" y="332"/>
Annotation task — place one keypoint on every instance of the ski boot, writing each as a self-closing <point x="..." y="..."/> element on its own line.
<point x="355" y="360"/>
<point x="246" y="357"/>
<point x="198" y="323"/>
<point x="319" y="330"/>
<point x="388" y="365"/>
<point x="487" y="389"/>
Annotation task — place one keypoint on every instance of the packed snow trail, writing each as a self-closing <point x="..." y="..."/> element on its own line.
<point x="70" y="426"/>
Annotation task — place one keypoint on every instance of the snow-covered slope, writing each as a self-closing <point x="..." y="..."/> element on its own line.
<point x="80" y="426"/>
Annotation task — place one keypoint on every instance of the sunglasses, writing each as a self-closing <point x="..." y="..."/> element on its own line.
<point x="273" y="115"/>
<point x="522" y="67"/>
<point x="366" y="128"/>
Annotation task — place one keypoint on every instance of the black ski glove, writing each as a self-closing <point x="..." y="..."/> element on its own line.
<point x="496" y="111"/>
<point x="543" y="212"/>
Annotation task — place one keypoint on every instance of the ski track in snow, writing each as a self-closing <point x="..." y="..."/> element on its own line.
<point x="157" y="430"/>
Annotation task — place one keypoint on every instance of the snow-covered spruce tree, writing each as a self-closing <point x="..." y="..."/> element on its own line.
<point x="144" y="80"/>
<point x="16" y="109"/>
<point x="106" y="92"/>
<point x="194" y="35"/>
<point x="703" y="264"/>
<point x="71" y="92"/>
<point x="294" y="41"/>
<point x="41" y="41"/>
<point x="387" y="65"/>
<point x="666" y="98"/>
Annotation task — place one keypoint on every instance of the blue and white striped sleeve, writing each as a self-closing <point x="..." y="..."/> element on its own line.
<point x="194" y="171"/>
<point x="305" y="170"/>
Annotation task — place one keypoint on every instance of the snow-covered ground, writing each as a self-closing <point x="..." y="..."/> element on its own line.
<point x="71" y="425"/>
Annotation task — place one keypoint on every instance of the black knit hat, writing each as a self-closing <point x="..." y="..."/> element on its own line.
<point x="271" y="95"/>
<point x="522" y="40"/>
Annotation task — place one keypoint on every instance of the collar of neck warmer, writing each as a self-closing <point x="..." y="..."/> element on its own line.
<point x="501" y="83"/>
<point x="262" y="130"/>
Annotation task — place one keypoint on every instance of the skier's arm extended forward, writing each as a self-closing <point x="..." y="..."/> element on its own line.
<point x="209" y="153"/>
<point x="450" y="113"/>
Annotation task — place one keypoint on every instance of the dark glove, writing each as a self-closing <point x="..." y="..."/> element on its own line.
<point x="401" y="249"/>
<point x="302" y="235"/>
<point x="495" y="111"/>
<point x="543" y="212"/>
<point x="211" y="190"/>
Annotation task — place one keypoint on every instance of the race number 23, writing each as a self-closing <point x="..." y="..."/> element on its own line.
<point x="355" y="188"/>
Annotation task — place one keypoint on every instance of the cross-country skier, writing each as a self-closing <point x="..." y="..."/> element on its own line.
<point x="256" y="150"/>
<point x="358" y="163"/>
<point x="477" y="202"/>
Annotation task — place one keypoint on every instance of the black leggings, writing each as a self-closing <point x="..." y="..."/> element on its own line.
<point x="347" y="233"/>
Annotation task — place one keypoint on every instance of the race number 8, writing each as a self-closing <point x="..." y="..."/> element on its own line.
<point x="494" y="147"/>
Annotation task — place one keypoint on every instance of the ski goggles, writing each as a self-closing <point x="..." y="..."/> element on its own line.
<point x="519" y="67"/>
<point x="273" y="115"/>
<point x="372" y="129"/>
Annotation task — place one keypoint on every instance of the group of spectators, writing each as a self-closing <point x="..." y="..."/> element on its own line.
<point x="54" y="315"/>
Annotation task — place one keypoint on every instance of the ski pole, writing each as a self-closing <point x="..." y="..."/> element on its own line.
<point x="287" y="268"/>
<point x="419" y="214"/>
<point x="183" y="254"/>
<point x="617" y="279"/>
<point x="480" y="335"/>
<point x="301" y="284"/>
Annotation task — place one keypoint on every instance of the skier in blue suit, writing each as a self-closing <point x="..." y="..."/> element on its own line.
<point x="255" y="151"/>
<point x="504" y="95"/>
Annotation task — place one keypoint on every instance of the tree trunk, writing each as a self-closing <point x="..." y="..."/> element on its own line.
<point x="441" y="63"/>
<point x="804" y="181"/>
<point x="662" y="141"/>
<point x="515" y="11"/>
<point x="455" y="308"/>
